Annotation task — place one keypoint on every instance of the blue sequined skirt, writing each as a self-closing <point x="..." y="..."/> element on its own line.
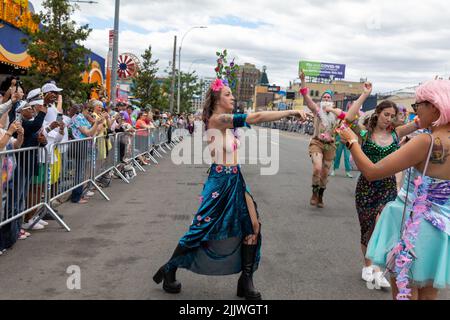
<point x="219" y="227"/>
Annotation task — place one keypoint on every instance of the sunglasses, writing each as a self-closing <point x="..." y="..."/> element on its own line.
<point x="416" y="105"/>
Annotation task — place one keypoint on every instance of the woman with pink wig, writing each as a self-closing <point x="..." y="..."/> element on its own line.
<point x="411" y="238"/>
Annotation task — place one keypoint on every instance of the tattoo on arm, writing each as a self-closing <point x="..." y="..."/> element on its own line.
<point x="439" y="153"/>
<point x="226" y="119"/>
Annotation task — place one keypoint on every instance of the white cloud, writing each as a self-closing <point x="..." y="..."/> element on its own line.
<point x="392" y="43"/>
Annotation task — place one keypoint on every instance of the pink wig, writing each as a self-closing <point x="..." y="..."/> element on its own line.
<point x="436" y="92"/>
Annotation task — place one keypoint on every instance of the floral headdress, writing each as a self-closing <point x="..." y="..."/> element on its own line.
<point x="226" y="75"/>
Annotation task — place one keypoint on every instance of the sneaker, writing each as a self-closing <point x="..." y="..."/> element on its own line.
<point x="332" y="173"/>
<point x="349" y="175"/>
<point x="89" y="194"/>
<point x="380" y="280"/>
<point x="44" y="223"/>
<point x="367" y="274"/>
<point x="27" y="226"/>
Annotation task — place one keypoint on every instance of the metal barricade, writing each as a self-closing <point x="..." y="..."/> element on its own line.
<point x="78" y="163"/>
<point x="140" y="146"/>
<point x="26" y="176"/>
<point x="160" y="140"/>
<point x="107" y="152"/>
<point x="154" y="141"/>
<point x="164" y="137"/>
<point x="151" y="145"/>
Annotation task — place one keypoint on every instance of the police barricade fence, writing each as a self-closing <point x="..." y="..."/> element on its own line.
<point x="26" y="187"/>
<point x="32" y="178"/>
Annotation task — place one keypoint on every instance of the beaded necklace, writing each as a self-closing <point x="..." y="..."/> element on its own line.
<point x="376" y="152"/>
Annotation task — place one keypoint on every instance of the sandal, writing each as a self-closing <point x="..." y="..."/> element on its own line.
<point x="82" y="201"/>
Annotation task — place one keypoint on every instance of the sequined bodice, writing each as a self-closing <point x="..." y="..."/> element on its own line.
<point x="376" y="152"/>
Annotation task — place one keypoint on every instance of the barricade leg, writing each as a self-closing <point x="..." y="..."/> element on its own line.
<point x="117" y="171"/>
<point x="151" y="157"/>
<point x="138" y="165"/>
<point x="157" y="153"/>
<point x="100" y="190"/>
<point x="54" y="215"/>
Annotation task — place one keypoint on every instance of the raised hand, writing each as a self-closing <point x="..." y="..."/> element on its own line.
<point x="299" y="114"/>
<point x="19" y="129"/>
<point x="16" y="96"/>
<point x="367" y="88"/>
<point x="346" y="134"/>
<point x="13" y="127"/>
<point x="328" y="108"/>
<point x="54" y="125"/>
<point x="302" y="76"/>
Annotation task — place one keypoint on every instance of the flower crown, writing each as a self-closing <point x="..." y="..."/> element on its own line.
<point x="226" y="75"/>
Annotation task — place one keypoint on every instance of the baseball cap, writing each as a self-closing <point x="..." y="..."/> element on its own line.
<point x="22" y="105"/>
<point x="35" y="97"/>
<point x="50" y="87"/>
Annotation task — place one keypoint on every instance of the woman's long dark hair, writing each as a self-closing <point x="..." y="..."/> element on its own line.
<point x="211" y="99"/>
<point x="373" y="120"/>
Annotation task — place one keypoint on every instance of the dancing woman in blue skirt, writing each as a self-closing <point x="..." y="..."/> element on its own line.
<point x="224" y="237"/>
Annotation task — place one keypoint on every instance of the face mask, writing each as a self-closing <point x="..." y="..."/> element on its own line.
<point x="324" y="104"/>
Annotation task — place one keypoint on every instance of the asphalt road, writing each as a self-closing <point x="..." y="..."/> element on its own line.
<point x="307" y="253"/>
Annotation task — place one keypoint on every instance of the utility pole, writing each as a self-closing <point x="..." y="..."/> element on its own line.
<point x="172" y="90"/>
<point x="115" y="55"/>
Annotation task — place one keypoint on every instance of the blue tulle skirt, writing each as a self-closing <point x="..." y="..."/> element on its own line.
<point x="219" y="227"/>
<point x="432" y="266"/>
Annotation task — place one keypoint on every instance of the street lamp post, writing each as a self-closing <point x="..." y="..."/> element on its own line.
<point x="115" y="55"/>
<point x="179" y="65"/>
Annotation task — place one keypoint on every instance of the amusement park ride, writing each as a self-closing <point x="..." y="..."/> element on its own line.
<point x="128" y="66"/>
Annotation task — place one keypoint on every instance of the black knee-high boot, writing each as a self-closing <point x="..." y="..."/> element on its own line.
<point x="320" y="201"/>
<point x="170" y="284"/>
<point x="245" y="284"/>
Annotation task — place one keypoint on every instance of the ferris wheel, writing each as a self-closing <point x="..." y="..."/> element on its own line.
<point x="128" y="66"/>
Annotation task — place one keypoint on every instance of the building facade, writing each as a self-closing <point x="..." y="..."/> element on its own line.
<point x="247" y="79"/>
<point x="205" y="83"/>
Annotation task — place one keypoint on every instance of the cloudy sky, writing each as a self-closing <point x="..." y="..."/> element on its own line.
<point x="395" y="44"/>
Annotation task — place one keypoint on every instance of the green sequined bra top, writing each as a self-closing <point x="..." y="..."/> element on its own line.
<point x="375" y="152"/>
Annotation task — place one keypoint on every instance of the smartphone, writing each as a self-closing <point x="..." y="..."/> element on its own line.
<point x="59" y="117"/>
<point x="19" y="117"/>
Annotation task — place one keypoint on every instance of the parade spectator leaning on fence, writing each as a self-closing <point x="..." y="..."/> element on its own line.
<point x="48" y="135"/>
<point x="9" y="233"/>
<point x="81" y="128"/>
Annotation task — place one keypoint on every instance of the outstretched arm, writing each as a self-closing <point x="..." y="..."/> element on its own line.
<point x="412" y="154"/>
<point x="225" y="121"/>
<point x="309" y="102"/>
<point x="338" y="112"/>
<point x="353" y="112"/>
<point x="408" y="128"/>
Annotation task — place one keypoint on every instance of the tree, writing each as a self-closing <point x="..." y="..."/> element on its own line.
<point x="146" y="88"/>
<point x="56" y="50"/>
<point x="190" y="87"/>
